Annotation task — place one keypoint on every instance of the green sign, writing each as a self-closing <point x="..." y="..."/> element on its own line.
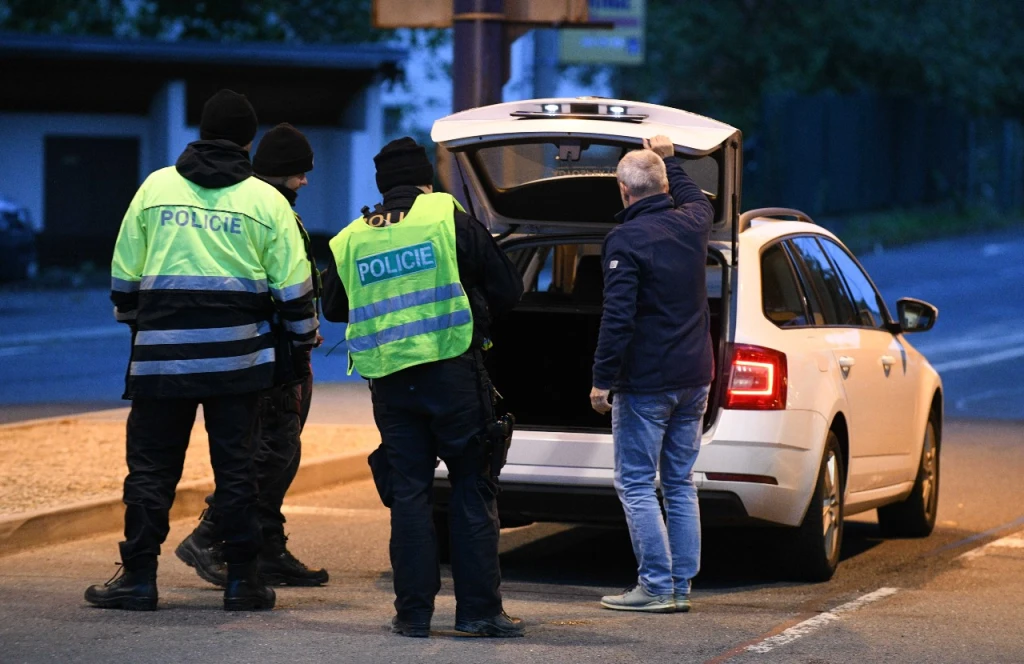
<point x="622" y="45"/>
<point x="396" y="263"/>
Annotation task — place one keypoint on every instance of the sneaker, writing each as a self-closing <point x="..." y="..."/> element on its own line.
<point x="131" y="590"/>
<point x="203" y="552"/>
<point x="278" y="567"/>
<point x="682" y="603"/>
<point x="415" y="630"/>
<point x="638" y="599"/>
<point x="499" y="626"/>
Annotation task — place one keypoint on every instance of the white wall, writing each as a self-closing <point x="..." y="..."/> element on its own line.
<point x="22" y="149"/>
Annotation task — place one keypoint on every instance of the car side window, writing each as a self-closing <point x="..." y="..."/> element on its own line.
<point x="828" y="287"/>
<point x="780" y="295"/>
<point x="868" y="304"/>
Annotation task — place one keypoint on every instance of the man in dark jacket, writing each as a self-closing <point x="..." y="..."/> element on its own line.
<point x="437" y="403"/>
<point x="283" y="158"/>
<point x="654" y="352"/>
<point x="205" y="257"/>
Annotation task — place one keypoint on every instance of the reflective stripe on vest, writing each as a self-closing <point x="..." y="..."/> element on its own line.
<point x="406" y="304"/>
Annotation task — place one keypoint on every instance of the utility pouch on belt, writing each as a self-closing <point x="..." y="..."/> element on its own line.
<point x="499" y="439"/>
<point x="381" y="471"/>
<point x="284" y="369"/>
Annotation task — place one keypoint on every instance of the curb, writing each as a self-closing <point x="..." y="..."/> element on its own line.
<point x="106" y="515"/>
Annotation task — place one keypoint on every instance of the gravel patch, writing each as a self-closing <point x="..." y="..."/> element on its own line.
<point x="60" y="462"/>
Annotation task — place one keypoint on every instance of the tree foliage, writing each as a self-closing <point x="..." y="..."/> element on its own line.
<point x="721" y="57"/>
<point x="309" y="21"/>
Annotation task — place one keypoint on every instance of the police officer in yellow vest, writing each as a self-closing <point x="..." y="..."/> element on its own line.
<point x="205" y="255"/>
<point x="418" y="282"/>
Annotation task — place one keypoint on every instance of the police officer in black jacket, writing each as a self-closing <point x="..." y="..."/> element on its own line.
<point x="283" y="158"/>
<point x="440" y="409"/>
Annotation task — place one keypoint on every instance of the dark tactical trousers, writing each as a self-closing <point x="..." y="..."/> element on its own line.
<point x="283" y="410"/>
<point x="425" y="412"/>
<point x="158" y="436"/>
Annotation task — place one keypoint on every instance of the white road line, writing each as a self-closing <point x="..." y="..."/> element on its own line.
<point x="71" y="334"/>
<point x="980" y="360"/>
<point x="1015" y="541"/>
<point x="985" y="339"/>
<point x="18" y="350"/>
<point x="812" y="625"/>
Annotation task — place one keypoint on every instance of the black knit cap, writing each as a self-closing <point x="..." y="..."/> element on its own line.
<point x="283" y="151"/>
<point x="402" y="161"/>
<point x="228" y="115"/>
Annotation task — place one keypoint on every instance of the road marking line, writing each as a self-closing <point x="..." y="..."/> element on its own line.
<point x="811" y="625"/>
<point x="18" y="350"/>
<point x="980" y="360"/>
<point x="72" y="334"/>
<point x="974" y="538"/>
<point x="1015" y="541"/>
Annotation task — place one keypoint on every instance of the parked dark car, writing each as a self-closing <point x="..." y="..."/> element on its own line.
<point x="18" y="257"/>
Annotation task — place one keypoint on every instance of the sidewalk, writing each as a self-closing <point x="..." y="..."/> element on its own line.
<point x="76" y="464"/>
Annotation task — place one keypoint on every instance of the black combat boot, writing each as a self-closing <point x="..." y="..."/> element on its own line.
<point x="245" y="591"/>
<point x="278" y="567"/>
<point x="500" y="626"/>
<point x="203" y="552"/>
<point x="129" y="589"/>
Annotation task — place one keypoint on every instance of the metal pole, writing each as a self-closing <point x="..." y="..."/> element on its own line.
<point x="478" y="68"/>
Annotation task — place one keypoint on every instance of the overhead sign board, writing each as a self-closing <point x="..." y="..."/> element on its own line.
<point x="622" y="45"/>
<point x="390" y="14"/>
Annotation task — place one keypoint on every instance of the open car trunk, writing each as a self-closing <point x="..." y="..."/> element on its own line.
<point x="543" y="351"/>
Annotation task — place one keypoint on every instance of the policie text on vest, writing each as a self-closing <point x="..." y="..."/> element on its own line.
<point x="396" y="263"/>
<point x="204" y="220"/>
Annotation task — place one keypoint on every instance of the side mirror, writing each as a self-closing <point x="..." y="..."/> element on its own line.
<point x="915" y="315"/>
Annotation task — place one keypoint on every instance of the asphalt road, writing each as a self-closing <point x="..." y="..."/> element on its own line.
<point x="61" y="351"/>
<point x="891" y="600"/>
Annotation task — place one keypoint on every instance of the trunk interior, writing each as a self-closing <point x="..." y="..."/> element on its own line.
<point x="544" y="349"/>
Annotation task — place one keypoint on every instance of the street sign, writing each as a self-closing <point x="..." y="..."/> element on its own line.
<point x="622" y="45"/>
<point x="392" y="14"/>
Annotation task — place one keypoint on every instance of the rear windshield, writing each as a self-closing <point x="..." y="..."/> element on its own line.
<point x="568" y="179"/>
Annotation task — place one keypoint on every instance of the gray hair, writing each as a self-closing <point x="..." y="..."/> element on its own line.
<point x="643" y="173"/>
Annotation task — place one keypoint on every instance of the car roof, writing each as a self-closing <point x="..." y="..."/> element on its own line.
<point x="690" y="130"/>
<point x="762" y="231"/>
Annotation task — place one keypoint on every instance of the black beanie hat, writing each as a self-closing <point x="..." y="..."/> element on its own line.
<point x="228" y="115"/>
<point x="402" y="161"/>
<point x="283" y="151"/>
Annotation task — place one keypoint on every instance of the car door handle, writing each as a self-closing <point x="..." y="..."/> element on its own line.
<point x="887" y="361"/>
<point x="845" y="362"/>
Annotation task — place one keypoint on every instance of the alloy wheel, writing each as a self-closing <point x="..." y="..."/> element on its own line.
<point x="928" y="464"/>
<point x="830" y="506"/>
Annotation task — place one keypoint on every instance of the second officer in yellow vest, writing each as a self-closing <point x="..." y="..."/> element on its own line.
<point x="418" y="282"/>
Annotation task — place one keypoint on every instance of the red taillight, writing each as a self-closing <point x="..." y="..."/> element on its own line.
<point x="757" y="379"/>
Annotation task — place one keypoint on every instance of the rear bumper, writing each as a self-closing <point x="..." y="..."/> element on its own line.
<point x="556" y="476"/>
<point x="526" y="503"/>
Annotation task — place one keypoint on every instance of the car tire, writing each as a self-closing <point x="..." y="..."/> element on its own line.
<point x="444" y="537"/>
<point x="915" y="516"/>
<point x="817" y="541"/>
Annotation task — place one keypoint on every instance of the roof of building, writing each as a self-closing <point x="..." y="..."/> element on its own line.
<point x="313" y="84"/>
<point x="314" y="56"/>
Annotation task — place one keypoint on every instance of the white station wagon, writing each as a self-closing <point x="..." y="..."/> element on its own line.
<point x="820" y="407"/>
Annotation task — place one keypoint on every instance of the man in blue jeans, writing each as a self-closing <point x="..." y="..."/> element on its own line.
<point x="654" y="352"/>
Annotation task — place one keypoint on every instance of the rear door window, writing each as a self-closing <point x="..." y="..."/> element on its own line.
<point x="826" y="284"/>
<point x="780" y="294"/>
<point x="867" y="303"/>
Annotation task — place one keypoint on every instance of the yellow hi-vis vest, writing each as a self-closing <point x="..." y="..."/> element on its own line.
<point x="406" y="304"/>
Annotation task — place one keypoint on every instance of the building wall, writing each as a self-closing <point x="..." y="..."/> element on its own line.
<point x="341" y="183"/>
<point x="23" y="135"/>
